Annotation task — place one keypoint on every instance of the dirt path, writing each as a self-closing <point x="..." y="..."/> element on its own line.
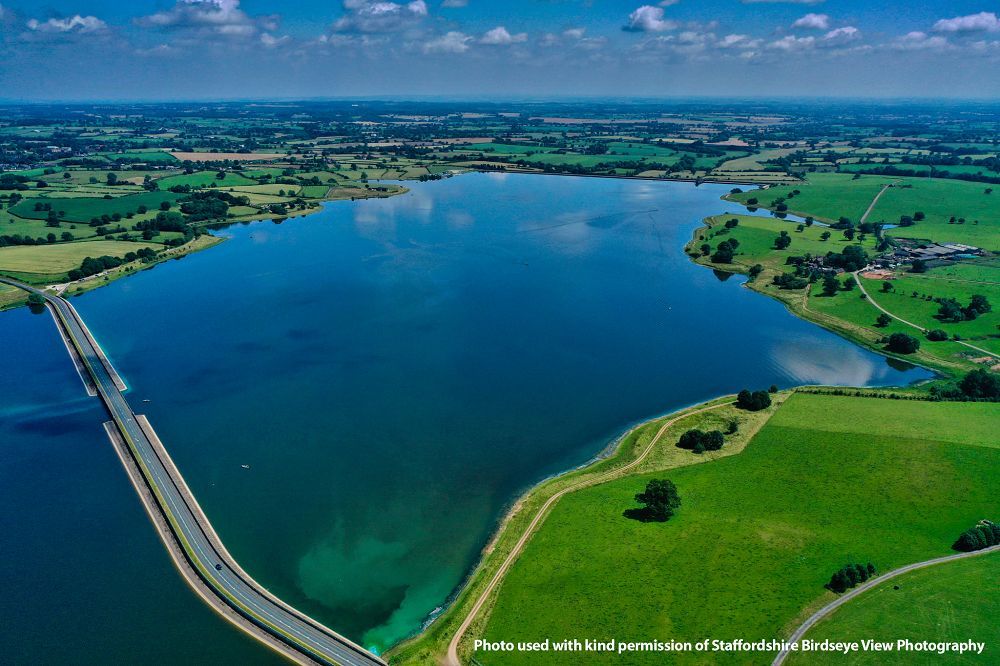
<point x="834" y="605"/>
<point x="857" y="278"/>
<point x="864" y="218"/>
<point x="452" y="659"/>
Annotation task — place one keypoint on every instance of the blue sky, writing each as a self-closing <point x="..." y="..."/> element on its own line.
<point x="217" y="49"/>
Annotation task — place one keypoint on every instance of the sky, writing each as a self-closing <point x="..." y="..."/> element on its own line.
<point x="87" y="50"/>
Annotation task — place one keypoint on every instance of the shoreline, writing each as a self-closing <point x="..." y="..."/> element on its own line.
<point x="203" y="242"/>
<point x="437" y="623"/>
<point x="796" y="303"/>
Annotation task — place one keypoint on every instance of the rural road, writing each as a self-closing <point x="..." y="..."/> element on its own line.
<point x="857" y="278"/>
<point x="453" y="659"/>
<point x="307" y="637"/>
<point x="871" y="207"/>
<point x="840" y="601"/>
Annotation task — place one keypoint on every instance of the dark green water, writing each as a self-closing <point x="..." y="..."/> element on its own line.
<point x="393" y="372"/>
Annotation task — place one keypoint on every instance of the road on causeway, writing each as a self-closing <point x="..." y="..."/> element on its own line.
<point x="310" y="640"/>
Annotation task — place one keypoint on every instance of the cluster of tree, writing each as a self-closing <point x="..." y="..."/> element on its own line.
<point x="790" y="281"/>
<point x="937" y="335"/>
<point x="849" y="576"/>
<point x="18" y="239"/>
<point x="983" y="535"/>
<point x="164" y="221"/>
<point x="753" y="401"/>
<point x="725" y="251"/>
<point x="852" y="258"/>
<point x="901" y="343"/>
<point x="782" y="241"/>
<point x="977" y="385"/>
<point x="699" y="441"/>
<point x="209" y="205"/>
<point x="91" y="266"/>
<point x="951" y="310"/>
<point x="660" y="500"/>
<point x="9" y="181"/>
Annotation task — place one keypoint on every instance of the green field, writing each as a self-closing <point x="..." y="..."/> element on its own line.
<point x="141" y="156"/>
<point x="205" y="179"/>
<point x="948" y="602"/>
<point x="757" y="234"/>
<point x="939" y="200"/>
<point x="83" y="209"/>
<point x="827" y="480"/>
<point x="825" y="196"/>
<point x="57" y="259"/>
<point x="984" y="330"/>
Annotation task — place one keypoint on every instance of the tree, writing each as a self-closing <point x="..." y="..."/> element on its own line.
<point x="831" y="285"/>
<point x="901" y="343"/>
<point x="112" y="178"/>
<point x="706" y="249"/>
<point x="724" y="252"/>
<point x="753" y="402"/>
<point x="850" y="283"/>
<point x="661" y="500"/>
<point x="937" y="335"/>
<point x="980" y="385"/>
<point x="825" y="235"/>
<point x="886" y="287"/>
<point x="918" y="266"/>
<point x="732" y="223"/>
<point x="756" y="270"/>
<point x="782" y="241"/>
<point x="165" y="205"/>
<point x="883" y="320"/>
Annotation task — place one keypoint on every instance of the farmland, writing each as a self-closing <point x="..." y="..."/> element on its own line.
<point x="56" y="260"/>
<point x="875" y="480"/>
<point x="942" y="603"/>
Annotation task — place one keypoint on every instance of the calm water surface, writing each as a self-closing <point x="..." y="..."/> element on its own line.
<point x="393" y="372"/>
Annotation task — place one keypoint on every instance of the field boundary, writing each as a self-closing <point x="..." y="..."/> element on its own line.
<point x="827" y="610"/>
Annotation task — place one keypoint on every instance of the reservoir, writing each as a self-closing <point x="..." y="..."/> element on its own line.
<point x="356" y="396"/>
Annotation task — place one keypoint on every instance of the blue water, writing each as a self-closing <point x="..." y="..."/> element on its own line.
<point x="394" y="372"/>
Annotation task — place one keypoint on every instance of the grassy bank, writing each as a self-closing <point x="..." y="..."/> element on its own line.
<point x="431" y="645"/>
<point x="827" y="480"/>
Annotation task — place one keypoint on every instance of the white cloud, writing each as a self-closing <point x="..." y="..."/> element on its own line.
<point x="648" y="19"/>
<point x="455" y="3"/>
<point x="842" y="35"/>
<point x="813" y="22"/>
<point x="783" y="2"/>
<point x="499" y="36"/>
<point x="380" y="16"/>
<point x="919" y="41"/>
<point x="981" y="22"/>
<point x="270" y="41"/>
<point x="738" y="42"/>
<point x="792" y="43"/>
<point x="219" y="17"/>
<point x="575" y="33"/>
<point x="450" y="42"/>
<point x="75" y="24"/>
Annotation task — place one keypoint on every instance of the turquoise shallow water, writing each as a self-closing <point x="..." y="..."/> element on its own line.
<point x="393" y="372"/>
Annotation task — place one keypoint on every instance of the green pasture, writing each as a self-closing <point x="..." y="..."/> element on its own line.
<point x="83" y="209"/>
<point x="828" y="480"/>
<point x="825" y="196"/>
<point x="945" y="603"/>
<point x="59" y="258"/>
<point x="205" y="179"/>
